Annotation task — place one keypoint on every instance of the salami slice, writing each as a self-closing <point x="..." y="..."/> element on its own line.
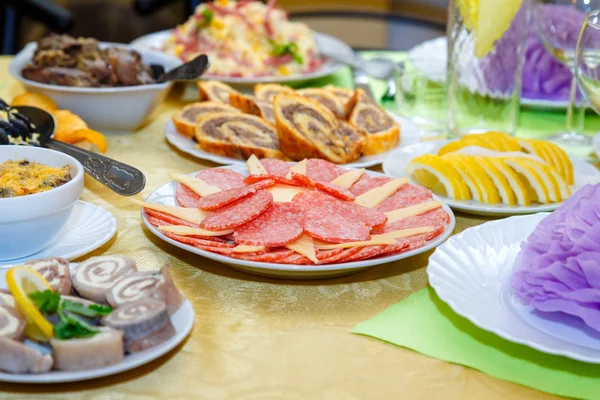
<point x="373" y="218"/>
<point x="270" y="257"/>
<point x="261" y="177"/>
<point x="169" y="219"/>
<point x="366" y="252"/>
<point x="326" y="218"/>
<point x="222" y="178"/>
<point x="296" y="259"/>
<point x="329" y="188"/>
<point x="335" y="256"/>
<point x="196" y="241"/>
<point x="275" y="166"/>
<point x="220" y="199"/>
<point x="437" y="218"/>
<point x="279" y="225"/>
<point x="239" y="212"/>
<point x="407" y="195"/>
<point x="322" y="170"/>
<point x="366" y="183"/>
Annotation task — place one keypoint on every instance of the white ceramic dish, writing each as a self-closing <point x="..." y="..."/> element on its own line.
<point x="88" y="227"/>
<point x="29" y="223"/>
<point x="395" y="165"/>
<point x="409" y="134"/>
<point x="430" y="58"/>
<point x="154" y="41"/>
<point x="597" y="144"/>
<point x="105" y="109"/>
<point x="470" y="273"/>
<point x="166" y="195"/>
<point x="182" y="319"/>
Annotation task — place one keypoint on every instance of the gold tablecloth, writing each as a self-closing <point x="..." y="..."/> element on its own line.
<point x="258" y="338"/>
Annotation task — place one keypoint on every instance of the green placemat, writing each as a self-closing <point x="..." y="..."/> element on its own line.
<point x="422" y="322"/>
<point x="533" y="123"/>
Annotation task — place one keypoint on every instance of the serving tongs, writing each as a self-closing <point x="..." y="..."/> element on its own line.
<point x="121" y="178"/>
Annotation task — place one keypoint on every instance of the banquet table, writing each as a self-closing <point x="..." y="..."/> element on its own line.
<point x="261" y="338"/>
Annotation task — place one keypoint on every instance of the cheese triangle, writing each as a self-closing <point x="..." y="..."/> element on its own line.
<point x="284" y="193"/>
<point x="403" y="233"/>
<point x="298" y="168"/>
<point x="198" y="186"/>
<point x="242" y="248"/>
<point x="254" y="166"/>
<point x="183" y="230"/>
<point x="349" y="178"/>
<point x="193" y="215"/>
<point x="384" y="238"/>
<point x="378" y="195"/>
<point x="411" y="211"/>
<point x="304" y="245"/>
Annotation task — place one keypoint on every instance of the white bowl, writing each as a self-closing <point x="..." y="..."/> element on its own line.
<point x="104" y="109"/>
<point x="30" y="223"/>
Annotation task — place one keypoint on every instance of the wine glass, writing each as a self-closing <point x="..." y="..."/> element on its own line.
<point x="558" y="23"/>
<point x="587" y="59"/>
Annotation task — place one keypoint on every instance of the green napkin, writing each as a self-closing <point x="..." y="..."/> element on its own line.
<point x="422" y="322"/>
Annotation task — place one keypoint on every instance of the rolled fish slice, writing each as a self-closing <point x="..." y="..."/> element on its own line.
<point x="145" y="323"/>
<point x="12" y="323"/>
<point x="17" y="358"/>
<point x="103" y="349"/>
<point x="95" y="276"/>
<point x="55" y="271"/>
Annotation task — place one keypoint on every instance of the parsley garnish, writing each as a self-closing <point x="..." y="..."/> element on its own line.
<point x="207" y="19"/>
<point x="46" y="301"/>
<point x="70" y="327"/>
<point x="94" y="310"/>
<point x="285" y="49"/>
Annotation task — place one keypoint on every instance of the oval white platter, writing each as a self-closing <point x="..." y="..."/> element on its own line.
<point x="88" y="227"/>
<point x="182" y="320"/>
<point x="470" y="273"/>
<point x="154" y="41"/>
<point x="395" y="165"/>
<point x="166" y="195"/>
<point x="409" y="134"/>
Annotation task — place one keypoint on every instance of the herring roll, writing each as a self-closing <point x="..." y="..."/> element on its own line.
<point x="250" y="105"/>
<point x="185" y="120"/>
<point x="7" y="299"/>
<point x="267" y="91"/>
<point x="214" y="91"/>
<point x="17" y="358"/>
<point x="12" y="323"/>
<point x="326" y="98"/>
<point x="145" y="323"/>
<point x="55" y="271"/>
<point x="94" y="276"/>
<point x="103" y="349"/>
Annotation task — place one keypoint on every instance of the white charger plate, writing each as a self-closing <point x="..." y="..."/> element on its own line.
<point x="409" y="134"/>
<point x="396" y="164"/>
<point x="471" y="271"/>
<point x="430" y="58"/>
<point x="88" y="227"/>
<point x="166" y="195"/>
<point x="182" y="320"/>
<point x="154" y="41"/>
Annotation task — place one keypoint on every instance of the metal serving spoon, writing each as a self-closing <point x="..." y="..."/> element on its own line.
<point x="121" y="178"/>
<point x="188" y="71"/>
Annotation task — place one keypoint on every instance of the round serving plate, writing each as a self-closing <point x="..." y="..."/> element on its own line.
<point x="396" y="164"/>
<point x="154" y="41"/>
<point x="409" y="134"/>
<point x="470" y="272"/>
<point x="182" y="320"/>
<point x="166" y="195"/>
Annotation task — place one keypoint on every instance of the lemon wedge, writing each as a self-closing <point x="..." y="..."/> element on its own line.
<point x="459" y="162"/>
<point x="552" y="154"/>
<point x="493" y="19"/>
<point x="468" y="12"/>
<point x="536" y="186"/>
<point x="488" y="188"/>
<point x="502" y="141"/>
<point x="21" y="281"/>
<point x="467" y="141"/>
<point x="439" y="176"/>
<point x="503" y="185"/>
<point x="516" y="184"/>
<point x="558" y="188"/>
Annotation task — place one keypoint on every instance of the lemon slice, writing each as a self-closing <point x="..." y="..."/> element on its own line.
<point x="516" y="184"/>
<point x="468" y="12"/>
<point x="502" y="184"/>
<point x="558" y="188"/>
<point x="552" y="154"/>
<point x="458" y="162"/>
<point x="439" y="176"/>
<point x="536" y="186"/>
<point x="493" y="19"/>
<point x="503" y="141"/>
<point x="467" y="141"/>
<point x="488" y="188"/>
<point x="21" y="281"/>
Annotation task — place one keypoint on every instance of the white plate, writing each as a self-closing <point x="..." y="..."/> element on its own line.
<point x="88" y="228"/>
<point x="409" y="134"/>
<point x="182" y="319"/>
<point x="166" y="195"/>
<point x="395" y="165"/>
<point x="597" y="144"/>
<point x="154" y="41"/>
<point x="470" y="273"/>
<point x="430" y="58"/>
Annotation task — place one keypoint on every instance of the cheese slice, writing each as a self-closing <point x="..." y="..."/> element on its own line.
<point x="199" y="187"/>
<point x="298" y="168"/>
<point x="403" y="233"/>
<point x="304" y="245"/>
<point x="285" y="193"/>
<point x="384" y="238"/>
<point x="242" y="248"/>
<point x="183" y="230"/>
<point x="349" y="178"/>
<point x="8" y="299"/>
<point x="407" y="212"/>
<point x="375" y="197"/>
<point x="254" y="166"/>
<point x="193" y="215"/>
